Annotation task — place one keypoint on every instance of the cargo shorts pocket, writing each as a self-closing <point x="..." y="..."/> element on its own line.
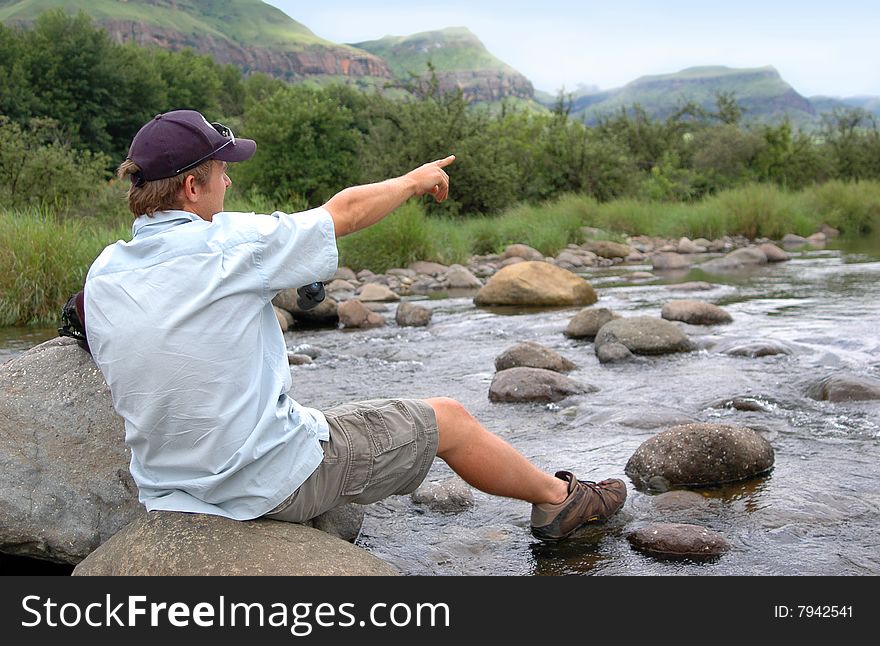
<point x="382" y="444"/>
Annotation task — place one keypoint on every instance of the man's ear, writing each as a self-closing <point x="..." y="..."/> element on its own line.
<point x="189" y="190"/>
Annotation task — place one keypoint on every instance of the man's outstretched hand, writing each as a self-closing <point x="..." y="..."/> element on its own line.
<point x="431" y="178"/>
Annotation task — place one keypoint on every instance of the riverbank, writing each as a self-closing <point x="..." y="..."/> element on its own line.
<point x="50" y="255"/>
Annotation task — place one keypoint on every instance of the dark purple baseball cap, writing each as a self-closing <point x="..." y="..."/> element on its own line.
<point x="174" y="142"/>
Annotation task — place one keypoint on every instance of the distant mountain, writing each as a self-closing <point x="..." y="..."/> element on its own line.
<point x="827" y="104"/>
<point x="249" y="34"/>
<point x="763" y="94"/>
<point x="459" y="60"/>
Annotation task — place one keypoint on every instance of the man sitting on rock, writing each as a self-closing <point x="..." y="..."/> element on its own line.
<point x="180" y="322"/>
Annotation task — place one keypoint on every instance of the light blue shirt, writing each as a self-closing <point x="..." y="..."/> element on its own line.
<point x="181" y="324"/>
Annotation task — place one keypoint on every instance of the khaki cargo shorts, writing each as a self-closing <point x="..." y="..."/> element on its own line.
<point x="377" y="448"/>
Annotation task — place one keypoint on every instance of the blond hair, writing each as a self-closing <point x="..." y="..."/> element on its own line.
<point x="159" y="194"/>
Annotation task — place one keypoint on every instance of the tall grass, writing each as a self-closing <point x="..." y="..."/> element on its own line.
<point x="44" y="261"/>
<point x="45" y="257"/>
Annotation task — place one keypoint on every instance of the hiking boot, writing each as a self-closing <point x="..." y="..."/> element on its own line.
<point x="587" y="502"/>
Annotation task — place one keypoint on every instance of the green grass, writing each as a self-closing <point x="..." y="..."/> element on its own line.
<point x="45" y="260"/>
<point x="46" y="256"/>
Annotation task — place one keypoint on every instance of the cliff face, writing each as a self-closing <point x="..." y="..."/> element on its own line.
<point x="487" y="85"/>
<point x="310" y="60"/>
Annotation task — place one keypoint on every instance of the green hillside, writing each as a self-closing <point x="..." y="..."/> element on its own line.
<point x="763" y="94"/>
<point x="454" y="49"/>
<point x="246" y="22"/>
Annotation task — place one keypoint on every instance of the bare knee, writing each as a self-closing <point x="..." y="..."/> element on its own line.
<point x="454" y="423"/>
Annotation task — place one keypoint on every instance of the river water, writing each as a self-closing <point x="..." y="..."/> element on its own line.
<point x="818" y="510"/>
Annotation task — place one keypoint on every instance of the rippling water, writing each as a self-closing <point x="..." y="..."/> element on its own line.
<point x="817" y="512"/>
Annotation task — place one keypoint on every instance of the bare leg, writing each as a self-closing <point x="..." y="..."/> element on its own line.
<point x="487" y="462"/>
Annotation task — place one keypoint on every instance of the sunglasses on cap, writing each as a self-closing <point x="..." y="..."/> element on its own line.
<point x="224" y="131"/>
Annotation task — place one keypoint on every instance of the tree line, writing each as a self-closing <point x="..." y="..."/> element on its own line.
<point x="71" y="99"/>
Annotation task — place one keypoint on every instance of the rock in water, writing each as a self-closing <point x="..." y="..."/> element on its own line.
<point x="699" y="454"/>
<point x="679" y="541"/>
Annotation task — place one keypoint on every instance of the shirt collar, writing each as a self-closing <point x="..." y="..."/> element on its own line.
<point x="161" y="221"/>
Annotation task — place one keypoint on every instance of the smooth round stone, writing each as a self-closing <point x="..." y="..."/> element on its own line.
<point x="679" y="541"/>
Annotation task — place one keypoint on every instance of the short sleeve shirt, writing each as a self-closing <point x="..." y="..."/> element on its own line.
<point x="180" y="322"/>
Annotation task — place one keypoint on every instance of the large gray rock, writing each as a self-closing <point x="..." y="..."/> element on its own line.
<point x="529" y="354"/>
<point x="694" y="312"/>
<point x="177" y="544"/>
<point x="374" y="292"/>
<point x="534" y="384"/>
<point x="737" y="259"/>
<point x="844" y="388"/>
<point x="450" y="495"/>
<point x="608" y="249"/>
<point x="521" y="251"/>
<point x="644" y="335"/>
<point x="699" y="454"/>
<point x="773" y="253"/>
<point x="753" y="349"/>
<point x="324" y="313"/>
<point x="678" y="541"/>
<point x="587" y="323"/>
<point x="65" y="487"/>
<point x="667" y="260"/>
<point x="354" y="314"/>
<point x="458" y="277"/>
<point x="412" y="315"/>
<point x="532" y="283"/>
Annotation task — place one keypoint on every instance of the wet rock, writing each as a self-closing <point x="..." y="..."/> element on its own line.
<point x="744" y="403"/>
<point x="699" y="454"/>
<point x="587" y="323"/>
<point x="285" y="318"/>
<point x="176" y="544"/>
<point x="669" y="260"/>
<point x="375" y="292"/>
<point x="450" y="495"/>
<point x="529" y="354"/>
<point x="425" y="285"/>
<point x="308" y="350"/>
<point x="535" y="284"/>
<point x="694" y="312"/>
<point x="324" y="313"/>
<point x="412" y="315"/>
<point x="534" y="384"/>
<point x="753" y="349"/>
<point x="844" y="388"/>
<point x="685" y="245"/>
<point x="65" y="487"/>
<point x="458" y="277"/>
<point x="608" y="249"/>
<point x="773" y="253"/>
<point x="613" y="352"/>
<point x="678" y="541"/>
<point x="295" y="359"/>
<point x="643" y="335"/>
<point x="354" y="314"/>
<point x="737" y="259"/>
<point x="344" y="521"/>
<point x="790" y="240"/>
<point x="521" y="251"/>
<point x="428" y="268"/>
<point x="829" y="231"/>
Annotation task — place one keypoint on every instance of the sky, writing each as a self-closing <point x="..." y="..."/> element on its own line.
<point x="820" y="48"/>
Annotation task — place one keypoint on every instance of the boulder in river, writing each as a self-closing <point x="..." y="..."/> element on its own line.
<point x="534" y="384"/>
<point x="842" y="387"/>
<point x="699" y="454"/>
<point x="737" y="259"/>
<point x="450" y="495"/>
<point x="177" y="544"/>
<point x="587" y="323"/>
<point x="678" y="541"/>
<point x="694" y="312"/>
<point x="535" y="284"/>
<point x="529" y="354"/>
<point x="354" y="314"/>
<point x="644" y="335"/>
<point x="412" y="315"/>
